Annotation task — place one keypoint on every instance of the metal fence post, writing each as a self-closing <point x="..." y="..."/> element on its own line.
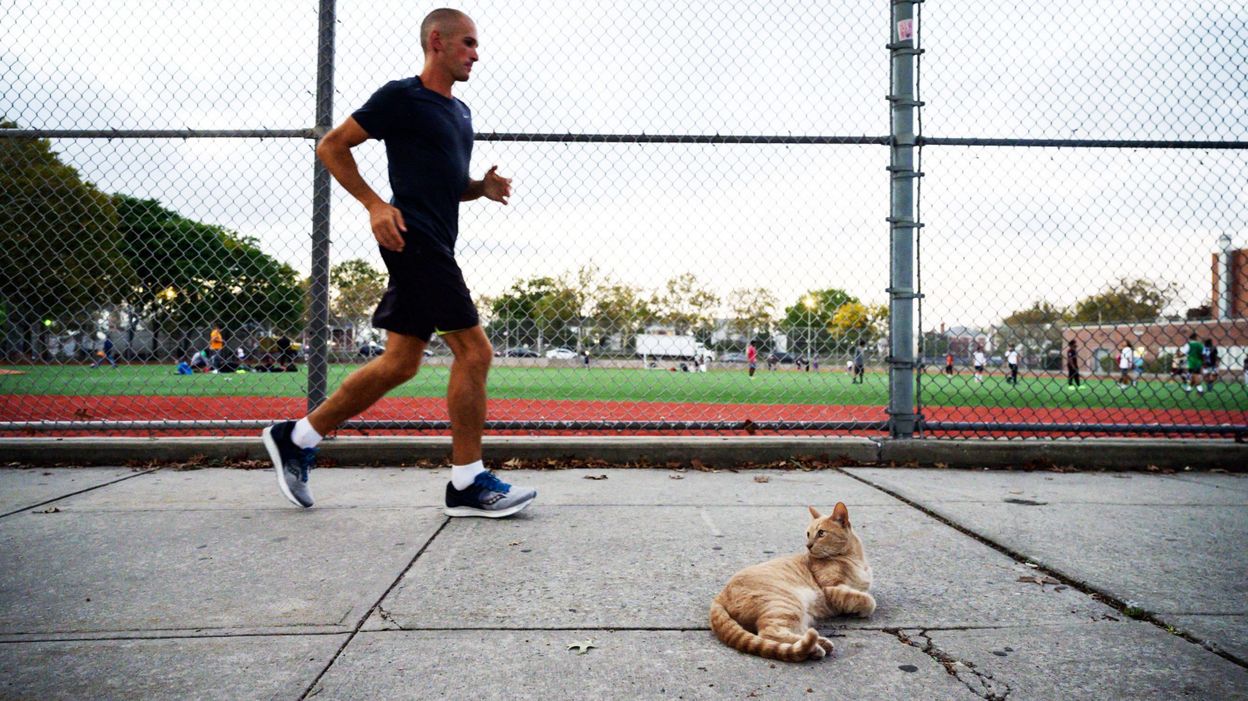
<point x="902" y="222"/>
<point x="318" y="319"/>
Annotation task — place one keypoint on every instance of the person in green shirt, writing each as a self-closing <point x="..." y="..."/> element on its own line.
<point x="1195" y="364"/>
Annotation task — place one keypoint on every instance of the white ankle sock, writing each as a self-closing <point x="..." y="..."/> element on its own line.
<point x="463" y="475"/>
<point x="304" y="435"/>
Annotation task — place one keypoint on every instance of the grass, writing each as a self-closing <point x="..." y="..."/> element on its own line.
<point x="637" y="385"/>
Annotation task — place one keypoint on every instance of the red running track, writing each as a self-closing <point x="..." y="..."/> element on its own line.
<point x="148" y="408"/>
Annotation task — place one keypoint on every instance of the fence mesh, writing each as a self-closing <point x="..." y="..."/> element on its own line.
<point x="690" y="180"/>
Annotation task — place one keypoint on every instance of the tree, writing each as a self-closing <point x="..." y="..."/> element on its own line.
<point x="191" y="274"/>
<point x="532" y="311"/>
<point x="753" y="311"/>
<point x="59" y="245"/>
<point x="855" y="321"/>
<point x="1126" y="301"/>
<point x="816" y="308"/>
<point x="1038" y="329"/>
<point x="355" y="287"/>
<point x="623" y="309"/>
<point x="687" y="305"/>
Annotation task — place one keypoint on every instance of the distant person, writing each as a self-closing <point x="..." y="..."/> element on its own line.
<point x="1210" y="358"/>
<point x="1011" y="359"/>
<point x="1177" y="363"/>
<point x="979" y="361"/>
<point x="1126" y="363"/>
<point x="1139" y="364"/>
<point x="860" y="363"/>
<point x="1073" y="379"/>
<point x="216" y="342"/>
<point x="751" y="357"/>
<point x="184" y="368"/>
<point x="1195" y="364"/>
<point x="585" y="356"/>
<point x="949" y="363"/>
<point x="202" y="359"/>
<point x="105" y="353"/>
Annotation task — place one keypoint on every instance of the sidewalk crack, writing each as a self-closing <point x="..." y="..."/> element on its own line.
<point x="980" y="683"/>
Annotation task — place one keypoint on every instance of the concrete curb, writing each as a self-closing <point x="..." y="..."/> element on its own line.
<point x="727" y="451"/>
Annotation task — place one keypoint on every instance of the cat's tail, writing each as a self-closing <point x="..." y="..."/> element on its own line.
<point x="733" y="635"/>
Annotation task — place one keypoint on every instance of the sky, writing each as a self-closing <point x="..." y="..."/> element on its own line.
<point x="1004" y="227"/>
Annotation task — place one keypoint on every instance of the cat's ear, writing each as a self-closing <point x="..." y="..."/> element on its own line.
<point x="814" y="513"/>
<point x="840" y="514"/>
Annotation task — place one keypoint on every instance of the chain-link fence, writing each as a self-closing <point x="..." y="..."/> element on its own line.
<point x="700" y="236"/>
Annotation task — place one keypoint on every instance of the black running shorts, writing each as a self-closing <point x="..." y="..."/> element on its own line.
<point x="426" y="293"/>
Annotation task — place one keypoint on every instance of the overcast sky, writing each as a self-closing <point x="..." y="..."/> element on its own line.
<point x="1004" y="226"/>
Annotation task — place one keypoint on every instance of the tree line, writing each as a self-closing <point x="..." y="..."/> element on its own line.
<point x="71" y="253"/>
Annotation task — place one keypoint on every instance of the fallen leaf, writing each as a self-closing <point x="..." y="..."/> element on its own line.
<point x="676" y="477"/>
<point x="595" y="477"/>
<point x="761" y="478"/>
<point x="513" y="463"/>
<point x="1039" y="579"/>
<point x="582" y="646"/>
<point x="516" y="542"/>
<point x="49" y="510"/>
<point x="1032" y="565"/>
<point x="1016" y="491"/>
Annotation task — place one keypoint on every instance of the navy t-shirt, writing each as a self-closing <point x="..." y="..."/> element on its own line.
<point x="428" y="141"/>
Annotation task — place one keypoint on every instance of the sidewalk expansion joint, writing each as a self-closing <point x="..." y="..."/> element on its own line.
<point x="312" y="689"/>
<point x="982" y="684"/>
<point x="1126" y="609"/>
<point x="80" y="491"/>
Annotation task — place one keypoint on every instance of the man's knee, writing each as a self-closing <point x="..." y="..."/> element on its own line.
<point x="396" y="369"/>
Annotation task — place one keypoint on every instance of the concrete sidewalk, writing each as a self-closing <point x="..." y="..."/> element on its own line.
<point x="207" y="584"/>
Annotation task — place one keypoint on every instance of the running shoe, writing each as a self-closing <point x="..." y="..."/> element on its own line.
<point x="291" y="463"/>
<point x="487" y="496"/>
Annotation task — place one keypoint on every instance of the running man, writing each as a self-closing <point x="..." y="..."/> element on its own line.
<point x="1011" y="359"/>
<point x="428" y="136"/>
<point x="979" y="361"/>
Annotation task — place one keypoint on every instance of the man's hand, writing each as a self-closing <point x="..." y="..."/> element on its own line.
<point x="495" y="186"/>
<point x="387" y="221"/>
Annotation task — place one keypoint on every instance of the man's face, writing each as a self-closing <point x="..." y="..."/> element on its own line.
<point x="459" y="49"/>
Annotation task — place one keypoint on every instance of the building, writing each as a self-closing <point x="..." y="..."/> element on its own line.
<point x="1228" y="327"/>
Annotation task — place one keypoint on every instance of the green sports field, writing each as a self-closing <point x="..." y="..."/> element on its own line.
<point x="639" y="385"/>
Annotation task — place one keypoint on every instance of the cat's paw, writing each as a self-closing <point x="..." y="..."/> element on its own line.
<point x="826" y="645"/>
<point x="868" y="606"/>
<point x="817" y="652"/>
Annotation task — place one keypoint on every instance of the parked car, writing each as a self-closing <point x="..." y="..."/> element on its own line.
<point x="734" y="358"/>
<point x="521" y="352"/>
<point x="784" y="358"/>
<point x="372" y="349"/>
<point x="561" y="353"/>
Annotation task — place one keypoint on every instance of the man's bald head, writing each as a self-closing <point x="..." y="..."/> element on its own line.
<point x="442" y="20"/>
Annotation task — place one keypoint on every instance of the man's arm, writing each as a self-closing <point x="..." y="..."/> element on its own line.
<point x="493" y="186"/>
<point x="334" y="150"/>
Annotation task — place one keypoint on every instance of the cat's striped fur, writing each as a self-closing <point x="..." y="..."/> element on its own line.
<point x="768" y="609"/>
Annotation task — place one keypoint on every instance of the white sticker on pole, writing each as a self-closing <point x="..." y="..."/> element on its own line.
<point x="905" y="30"/>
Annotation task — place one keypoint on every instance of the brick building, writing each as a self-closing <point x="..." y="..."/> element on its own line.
<point x="1228" y="328"/>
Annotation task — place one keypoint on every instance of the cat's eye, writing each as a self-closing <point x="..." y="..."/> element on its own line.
<point x="819" y="533"/>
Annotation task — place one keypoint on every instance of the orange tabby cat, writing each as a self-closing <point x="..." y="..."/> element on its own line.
<point x="767" y="609"/>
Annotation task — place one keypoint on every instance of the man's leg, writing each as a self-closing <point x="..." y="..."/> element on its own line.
<point x="473" y="490"/>
<point x="292" y="444"/>
<point x="362" y="388"/>
<point x="465" y="392"/>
